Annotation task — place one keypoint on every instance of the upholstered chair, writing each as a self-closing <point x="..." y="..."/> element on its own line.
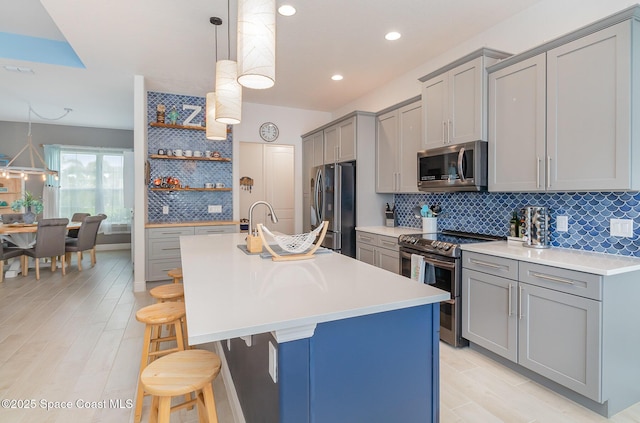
<point x="5" y="254"/>
<point x="77" y="217"/>
<point x="50" y="242"/>
<point x="87" y="235"/>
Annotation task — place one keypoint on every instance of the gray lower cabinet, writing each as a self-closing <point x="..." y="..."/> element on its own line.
<point x="537" y="316"/>
<point x="163" y="247"/>
<point x="378" y="250"/>
<point x="560" y="337"/>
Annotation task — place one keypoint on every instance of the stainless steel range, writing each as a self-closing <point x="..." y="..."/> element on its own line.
<point x="443" y="269"/>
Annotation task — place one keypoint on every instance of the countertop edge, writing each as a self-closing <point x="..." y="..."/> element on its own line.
<point x="318" y="319"/>
<point x="183" y="224"/>
<point x="616" y="264"/>
<point x="388" y="230"/>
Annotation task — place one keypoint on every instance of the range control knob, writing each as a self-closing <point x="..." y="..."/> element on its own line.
<point x="446" y="246"/>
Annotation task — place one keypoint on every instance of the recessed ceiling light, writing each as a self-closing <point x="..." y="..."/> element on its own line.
<point x="287" y="10"/>
<point x="392" y="36"/>
<point x="337" y="77"/>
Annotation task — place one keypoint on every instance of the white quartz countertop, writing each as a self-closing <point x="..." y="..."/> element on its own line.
<point x="229" y="293"/>
<point x="583" y="261"/>
<point x="389" y="231"/>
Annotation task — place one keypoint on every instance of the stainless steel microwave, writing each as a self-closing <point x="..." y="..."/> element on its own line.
<point x="458" y="167"/>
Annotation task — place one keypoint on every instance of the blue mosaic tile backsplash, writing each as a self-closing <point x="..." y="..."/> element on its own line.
<point x="489" y="212"/>
<point x="186" y="206"/>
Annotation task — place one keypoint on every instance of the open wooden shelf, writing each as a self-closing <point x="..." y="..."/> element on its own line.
<point x="209" y="159"/>
<point x="168" y="125"/>
<point x="190" y="189"/>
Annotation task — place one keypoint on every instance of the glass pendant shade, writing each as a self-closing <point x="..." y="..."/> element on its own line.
<point x="257" y="43"/>
<point x="228" y="93"/>
<point x="216" y="131"/>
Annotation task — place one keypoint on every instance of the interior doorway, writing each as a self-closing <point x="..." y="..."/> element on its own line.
<point x="267" y="174"/>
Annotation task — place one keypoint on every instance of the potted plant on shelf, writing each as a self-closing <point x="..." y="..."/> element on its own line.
<point x="30" y="204"/>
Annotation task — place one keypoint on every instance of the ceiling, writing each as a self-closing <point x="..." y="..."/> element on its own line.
<point x="173" y="45"/>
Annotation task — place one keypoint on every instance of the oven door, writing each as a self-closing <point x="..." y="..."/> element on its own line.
<point x="441" y="272"/>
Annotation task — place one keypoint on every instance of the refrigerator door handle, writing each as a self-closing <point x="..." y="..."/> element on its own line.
<point x="317" y="195"/>
<point x="337" y="197"/>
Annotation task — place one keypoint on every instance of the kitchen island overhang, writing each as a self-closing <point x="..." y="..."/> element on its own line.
<point x="335" y="325"/>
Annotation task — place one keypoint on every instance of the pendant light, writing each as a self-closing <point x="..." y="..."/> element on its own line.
<point x="215" y="131"/>
<point x="24" y="172"/>
<point x="228" y="90"/>
<point x="257" y="43"/>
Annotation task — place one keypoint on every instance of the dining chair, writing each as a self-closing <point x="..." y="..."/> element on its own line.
<point x="77" y="217"/>
<point x="5" y="254"/>
<point x="50" y="242"/>
<point x="87" y="235"/>
<point x="9" y="218"/>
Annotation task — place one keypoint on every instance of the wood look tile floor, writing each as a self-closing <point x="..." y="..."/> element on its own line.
<point x="75" y="338"/>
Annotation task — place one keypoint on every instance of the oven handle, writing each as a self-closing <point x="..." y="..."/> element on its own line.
<point x="440" y="263"/>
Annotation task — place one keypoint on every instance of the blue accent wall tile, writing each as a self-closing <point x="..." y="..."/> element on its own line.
<point x="489" y="212"/>
<point x="187" y="206"/>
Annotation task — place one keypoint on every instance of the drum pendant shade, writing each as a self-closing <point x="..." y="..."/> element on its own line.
<point x="216" y="131"/>
<point x="228" y="93"/>
<point x="257" y="43"/>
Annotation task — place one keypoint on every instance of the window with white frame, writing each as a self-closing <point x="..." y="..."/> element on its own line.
<point x="91" y="180"/>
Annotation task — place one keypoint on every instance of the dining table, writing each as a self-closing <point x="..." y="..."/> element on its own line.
<point x="22" y="235"/>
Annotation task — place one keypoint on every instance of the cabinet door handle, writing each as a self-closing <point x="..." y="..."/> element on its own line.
<point x="444" y="127"/>
<point x="552" y="278"/>
<point x="484" y="263"/>
<point x="538" y="172"/>
<point x="548" y="171"/>
<point x="510" y="311"/>
<point x="169" y="249"/>
<point x="449" y="130"/>
<point x="520" y="315"/>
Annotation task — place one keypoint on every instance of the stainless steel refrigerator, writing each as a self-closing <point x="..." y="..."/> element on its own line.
<point x="334" y="200"/>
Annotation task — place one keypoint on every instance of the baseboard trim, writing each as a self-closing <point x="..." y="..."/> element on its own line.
<point x="109" y="247"/>
<point x="232" y="395"/>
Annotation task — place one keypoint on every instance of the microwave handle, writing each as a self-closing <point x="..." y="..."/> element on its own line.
<point x="460" y="160"/>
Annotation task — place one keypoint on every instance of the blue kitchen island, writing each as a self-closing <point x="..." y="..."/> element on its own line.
<point x="326" y="340"/>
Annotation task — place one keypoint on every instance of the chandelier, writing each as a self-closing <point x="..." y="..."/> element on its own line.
<point x="24" y="172"/>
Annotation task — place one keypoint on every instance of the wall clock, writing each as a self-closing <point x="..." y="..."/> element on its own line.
<point x="269" y="131"/>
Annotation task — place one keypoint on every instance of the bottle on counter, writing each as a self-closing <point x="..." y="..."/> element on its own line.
<point x="522" y="233"/>
<point x="514" y="225"/>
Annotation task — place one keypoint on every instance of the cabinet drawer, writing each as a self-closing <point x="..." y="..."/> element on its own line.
<point x="367" y="238"/>
<point x="169" y="232"/>
<point x="570" y="281"/>
<point x="217" y="229"/>
<point x="157" y="269"/>
<point x="163" y="248"/>
<point x="497" y="266"/>
<point x="388" y="242"/>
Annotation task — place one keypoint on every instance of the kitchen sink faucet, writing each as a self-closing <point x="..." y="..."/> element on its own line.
<point x="274" y="218"/>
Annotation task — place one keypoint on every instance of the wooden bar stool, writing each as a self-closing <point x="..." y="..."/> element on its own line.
<point x="154" y="317"/>
<point x="178" y="374"/>
<point x="168" y="292"/>
<point x="175" y="274"/>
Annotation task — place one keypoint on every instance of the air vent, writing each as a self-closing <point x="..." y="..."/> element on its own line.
<point x="18" y="69"/>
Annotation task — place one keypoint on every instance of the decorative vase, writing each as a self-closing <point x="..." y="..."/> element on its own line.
<point x="29" y="217"/>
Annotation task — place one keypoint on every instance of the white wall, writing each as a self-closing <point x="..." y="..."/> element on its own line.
<point x="536" y="25"/>
<point x="291" y="124"/>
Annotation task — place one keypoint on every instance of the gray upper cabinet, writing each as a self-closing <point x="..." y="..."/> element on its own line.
<point x="580" y="88"/>
<point x="589" y="112"/>
<point x="454" y="100"/>
<point x="517" y="125"/>
<point x="340" y="142"/>
<point x="398" y="139"/>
